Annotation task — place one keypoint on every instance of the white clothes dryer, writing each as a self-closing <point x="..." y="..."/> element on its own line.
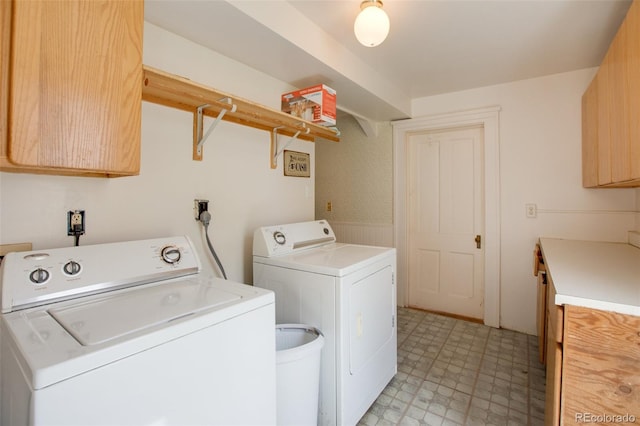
<point x="346" y="291"/>
<point x="131" y="334"/>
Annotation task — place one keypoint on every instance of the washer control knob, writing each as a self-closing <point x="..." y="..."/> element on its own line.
<point x="279" y="237"/>
<point x="39" y="276"/>
<point x="72" y="268"/>
<point x="171" y="254"/>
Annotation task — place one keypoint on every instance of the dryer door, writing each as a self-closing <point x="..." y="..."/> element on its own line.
<point x="371" y="317"/>
<point x="369" y="340"/>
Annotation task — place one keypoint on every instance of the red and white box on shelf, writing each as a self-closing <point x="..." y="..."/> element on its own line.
<point x="316" y="104"/>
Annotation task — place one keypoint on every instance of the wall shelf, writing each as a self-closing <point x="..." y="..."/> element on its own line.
<point x="181" y="93"/>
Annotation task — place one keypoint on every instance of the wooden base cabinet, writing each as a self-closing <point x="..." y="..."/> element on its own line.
<point x="71" y="76"/>
<point x="554" y="333"/>
<point x="600" y="367"/>
<point x="539" y="270"/>
<point x="593" y="365"/>
<point x="541" y="317"/>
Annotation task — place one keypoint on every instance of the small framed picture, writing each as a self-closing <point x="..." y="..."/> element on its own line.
<point x="297" y="164"/>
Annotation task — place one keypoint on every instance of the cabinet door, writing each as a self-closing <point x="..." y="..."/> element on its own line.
<point x="554" y="357"/>
<point x="5" y="37"/>
<point x="553" y="382"/>
<point x="604" y="135"/>
<point x="618" y="99"/>
<point x="633" y="72"/>
<point x="541" y="317"/>
<point x="600" y="370"/>
<point x="76" y="85"/>
<point x="590" y="135"/>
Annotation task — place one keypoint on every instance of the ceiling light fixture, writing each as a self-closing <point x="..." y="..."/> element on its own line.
<point x="372" y="23"/>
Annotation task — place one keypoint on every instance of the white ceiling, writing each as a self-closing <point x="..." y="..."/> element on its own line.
<point x="434" y="46"/>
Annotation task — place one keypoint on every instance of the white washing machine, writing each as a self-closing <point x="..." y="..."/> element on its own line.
<point x="131" y="334"/>
<point x="349" y="293"/>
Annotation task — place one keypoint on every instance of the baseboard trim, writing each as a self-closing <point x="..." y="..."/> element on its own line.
<point x="450" y="315"/>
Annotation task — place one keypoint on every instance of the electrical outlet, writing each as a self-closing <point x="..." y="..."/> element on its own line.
<point x="75" y="222"/>
<point x="200" y="206"/>
<point x="329" y="206"/>
<point x="532" y="210"/>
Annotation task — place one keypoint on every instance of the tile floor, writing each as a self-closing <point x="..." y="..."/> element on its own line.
<point x="455" y="372"/>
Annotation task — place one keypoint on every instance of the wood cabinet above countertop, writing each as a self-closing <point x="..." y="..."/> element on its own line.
<point x="72" y="84"/>
<point x="71" y="95"/>
<point x="610" y="111"/>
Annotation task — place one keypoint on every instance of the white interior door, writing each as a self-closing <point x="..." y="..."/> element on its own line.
<point x="445" y="200"/>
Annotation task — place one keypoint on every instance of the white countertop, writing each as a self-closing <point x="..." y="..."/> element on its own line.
<point x="596" y="275"/>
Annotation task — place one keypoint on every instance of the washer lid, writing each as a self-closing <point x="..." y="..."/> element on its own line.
<point x="334" y="259"/>
<point x="111" y="317"/>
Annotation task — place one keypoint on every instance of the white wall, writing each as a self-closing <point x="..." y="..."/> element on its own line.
<point x="356" y="175"/>
<point x="540" y="162"/>
<point x="244" y="192"/>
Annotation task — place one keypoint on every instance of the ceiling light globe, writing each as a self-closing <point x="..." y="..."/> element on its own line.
<point x="371" y="26"/>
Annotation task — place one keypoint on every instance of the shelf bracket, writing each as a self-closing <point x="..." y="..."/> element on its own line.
<point x="275" y="152"/>
<point x="198" y="120"/>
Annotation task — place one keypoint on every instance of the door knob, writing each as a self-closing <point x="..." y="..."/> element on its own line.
<point x="478" y="241"/>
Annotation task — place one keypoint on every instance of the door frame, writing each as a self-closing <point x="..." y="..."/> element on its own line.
<point x="488" y="118"/>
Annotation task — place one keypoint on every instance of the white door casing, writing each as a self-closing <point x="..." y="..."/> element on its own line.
<point x="445" y="217"/>
<point x="488" y="118"/>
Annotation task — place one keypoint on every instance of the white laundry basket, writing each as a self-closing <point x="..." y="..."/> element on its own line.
<point x="298" y="349"/>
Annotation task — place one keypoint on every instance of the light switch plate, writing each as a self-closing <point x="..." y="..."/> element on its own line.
<point x="8" y="248"/>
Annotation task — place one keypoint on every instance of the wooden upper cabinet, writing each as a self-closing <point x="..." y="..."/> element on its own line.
<point x="590" y="136"/>
<point x="612" y="114"/>
<point x="75" y="74"/>
<point x="618" y="99"/>
<point x="5" y="37"/>
<point x="604" y="128"/>
<point x="633" y="71"/>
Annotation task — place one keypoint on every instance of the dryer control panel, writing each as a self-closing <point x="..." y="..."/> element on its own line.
<point x="279" y="240"/>
<point x="39" y="277"/>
